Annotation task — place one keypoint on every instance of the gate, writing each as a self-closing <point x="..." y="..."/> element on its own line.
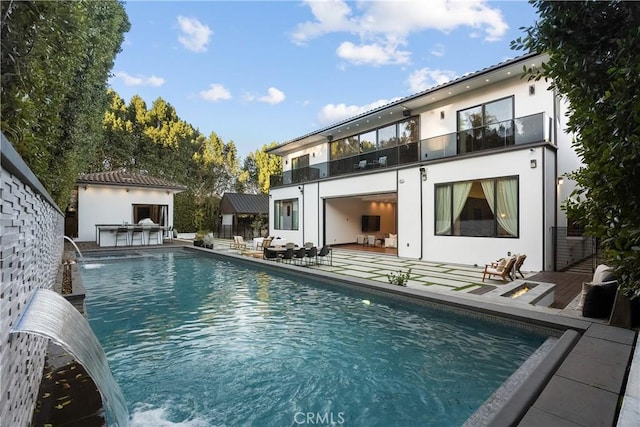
<point x="572" y="247"/>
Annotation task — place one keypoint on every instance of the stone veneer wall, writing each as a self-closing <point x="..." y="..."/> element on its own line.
<point x="31" y="246"/>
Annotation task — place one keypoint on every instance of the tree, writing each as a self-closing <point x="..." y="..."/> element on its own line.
<point x="259" y="166"/>
<point x="594" y="50"/>
<point x="56" y="58"/>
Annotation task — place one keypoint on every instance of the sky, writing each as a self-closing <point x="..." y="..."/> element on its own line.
<point x="256" y="72"/>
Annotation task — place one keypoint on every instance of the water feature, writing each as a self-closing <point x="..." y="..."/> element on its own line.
<point x="198" y="341"/>
<point x="67" y="238"/>
<point x="50" y="315"/>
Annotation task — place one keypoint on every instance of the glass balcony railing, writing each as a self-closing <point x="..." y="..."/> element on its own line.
<point x="523" y="130"/>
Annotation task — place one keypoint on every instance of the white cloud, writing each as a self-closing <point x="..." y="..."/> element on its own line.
<point x="437" y="50"/>
<point x="216" y="92"/>
<point x="373" y="54"/>
<point x="195" y="35"/>
<point x="332" y="113"/>
<point x="274" y="96"/>
<point x="426" y="78"/>
<point x="139" y="80"/>
<point x="382" y="27"/>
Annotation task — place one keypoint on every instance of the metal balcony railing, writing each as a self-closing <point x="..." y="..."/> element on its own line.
<point x="523" y="130"/>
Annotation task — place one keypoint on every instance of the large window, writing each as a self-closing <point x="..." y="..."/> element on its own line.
<point x="403" y="132"/>
<point x="286" y="214"/>
<point x="157" y="213"/>
<point x="486" y="208"/>
<point x="486" y="126"/>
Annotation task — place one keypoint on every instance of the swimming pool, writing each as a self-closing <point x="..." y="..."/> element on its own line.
<point x="195" y="340"/>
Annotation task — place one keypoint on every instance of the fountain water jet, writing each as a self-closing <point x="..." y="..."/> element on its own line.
<point x="50" y="315"/>
<point x="69" y="239"/>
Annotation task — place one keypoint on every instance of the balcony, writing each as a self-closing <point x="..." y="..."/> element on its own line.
<point x="524" y="130"/>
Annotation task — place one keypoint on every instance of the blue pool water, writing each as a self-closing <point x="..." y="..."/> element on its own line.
<point x="196" y="341"/>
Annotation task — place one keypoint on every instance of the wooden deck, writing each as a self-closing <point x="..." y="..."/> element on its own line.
<point x="568" y="285"/>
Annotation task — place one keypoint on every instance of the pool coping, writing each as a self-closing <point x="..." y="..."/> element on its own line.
<point x="528" y="405"/>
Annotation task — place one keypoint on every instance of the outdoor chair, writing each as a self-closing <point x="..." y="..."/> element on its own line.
<point x="122" y="232"/>
<point x="312" y="255"/>
<point x="360" y="239"/>
<point x="322" y="255"/>
<point x="382" y="161"/>
<point x="269" y="255"/>
<point x="501" y="268"/>
<point x="287" y="255"/>
<point x="298" y="256"/>
<point x="137" y="232"/>
<point x="157" y="231"/>
<point x="170" y="233"/>
<point x="362" y="164"/>
<point x="516" y="267"/>
<point x="371" y="240"/>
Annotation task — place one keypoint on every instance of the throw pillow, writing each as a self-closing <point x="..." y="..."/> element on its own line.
<point x="598" y="301"/>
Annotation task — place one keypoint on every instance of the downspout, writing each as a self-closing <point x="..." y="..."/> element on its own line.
<point x="555" y="179"/>
<point x="421" y="214"/>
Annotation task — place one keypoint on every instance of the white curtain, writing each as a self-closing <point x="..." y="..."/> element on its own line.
<point x="461" y="192"/>
<point x="508" y="205"/>
<point x="507" y="202"/>
<point x="443" y="209"/>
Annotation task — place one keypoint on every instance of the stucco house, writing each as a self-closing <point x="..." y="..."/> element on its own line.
<point x="465" y="172"/>
<point x="122" y="197"/>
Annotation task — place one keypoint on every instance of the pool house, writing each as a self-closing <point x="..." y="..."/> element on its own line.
<point x="478" y="164"/>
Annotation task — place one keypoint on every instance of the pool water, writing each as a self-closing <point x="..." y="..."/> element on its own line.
<point x="197" y="341"/>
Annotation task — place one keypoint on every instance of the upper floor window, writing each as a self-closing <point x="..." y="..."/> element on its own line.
<point x="486" y="208"/>
<point x="300" y="162"/>
<point x="403" y="132"/>
<point x="485" y="126"/>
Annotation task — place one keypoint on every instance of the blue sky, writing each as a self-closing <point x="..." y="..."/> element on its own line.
<point x="256" y="72"/>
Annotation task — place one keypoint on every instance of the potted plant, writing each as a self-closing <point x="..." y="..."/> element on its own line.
<point x="208" y="241"/>
<point x="199" y="239"/>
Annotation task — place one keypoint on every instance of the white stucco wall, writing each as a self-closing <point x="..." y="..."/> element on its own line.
<point x="113" y="205"/>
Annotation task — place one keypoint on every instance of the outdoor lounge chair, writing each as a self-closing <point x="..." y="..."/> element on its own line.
<point x="391" y="241"/>
<point x="501" y="268"/>
<point x="238" y="243"/>
<point x="516" y="267"/>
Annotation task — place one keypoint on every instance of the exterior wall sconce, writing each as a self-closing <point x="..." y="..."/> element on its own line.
<point x="534" y="163"/>
<point x="423" y="173"/>
<point x="85" y="188"/>
<point x="441" y="115"/>
<point x="127" y="190"/>
<point x="560" y="180"/>
<point x="301" y="189"/>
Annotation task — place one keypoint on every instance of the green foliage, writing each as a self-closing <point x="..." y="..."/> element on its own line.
<point x="192" y="213"/>
<point x="259" y="167"/>
<point x="595" y="62"/>
<point x="399" y="278"/>
<point x="56" y="58"/>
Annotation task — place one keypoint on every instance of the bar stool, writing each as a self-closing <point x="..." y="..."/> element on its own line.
<point x="158" y="233"/>
<point x="139" y="233"/>
<point x="122" y="233"/>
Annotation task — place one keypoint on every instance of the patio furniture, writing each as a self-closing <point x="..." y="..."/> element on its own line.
<point x="312" y="255"/>
<point x="287" y="255"/>
<point x="298" y="256"/>
<point x="122" y="232"/>
<point x="382" y="161"/>
<point x="501" y="268"/>
<point x="360" y="239"/>
<point x="170" y="233"/>
<point x="157" y="230"/>
<point x="516" y="267"/>
<point x="270" y="254"/>
<point x="371" y="240"/>
<point x="137" y="232"/>
<point x="322" y="255"/>
<point x="238" y="243"/>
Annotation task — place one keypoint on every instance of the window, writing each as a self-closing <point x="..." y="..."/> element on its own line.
<point x="485" y="208"/>
<point x="400" y="133"/>
<point x="157" y="213"/>
<point x="285" y="214"/>
<point x="486" y="126"/>
<point x="300" y="162"/>
<point x="300" y="168"/>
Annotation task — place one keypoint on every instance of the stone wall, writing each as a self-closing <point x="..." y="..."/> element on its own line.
<point x="31" y="246"/>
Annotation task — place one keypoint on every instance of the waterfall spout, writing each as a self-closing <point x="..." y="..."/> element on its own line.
<point x="50" y="315"/>
<point x="74" y="245"/>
